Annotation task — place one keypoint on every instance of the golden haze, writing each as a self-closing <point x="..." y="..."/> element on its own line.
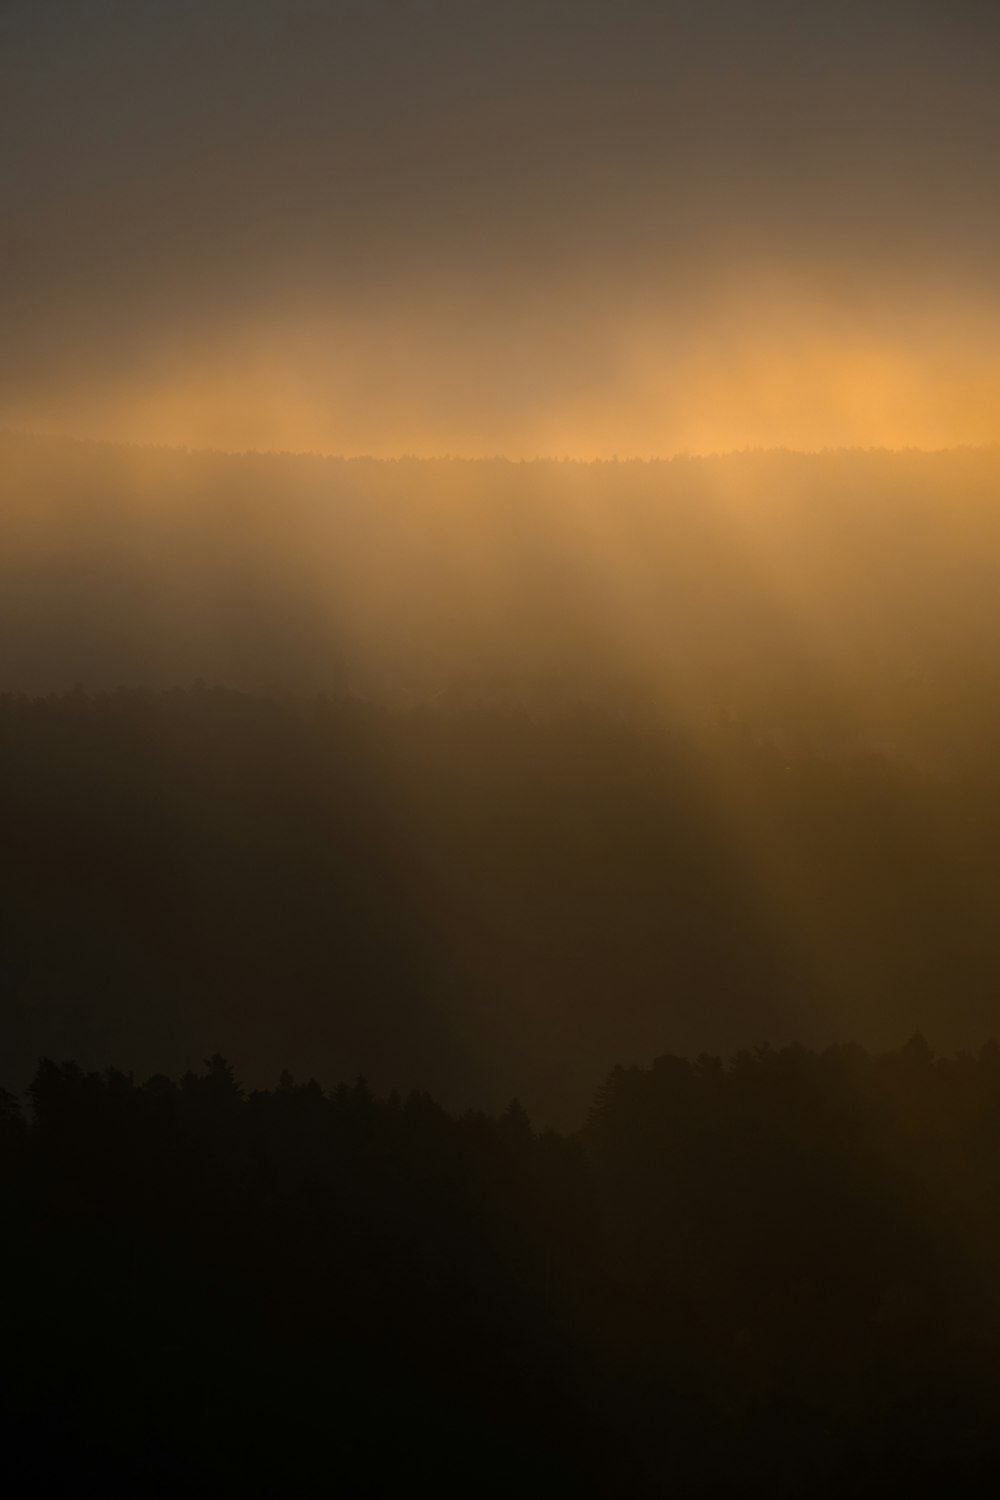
<point x="763" y="369"/>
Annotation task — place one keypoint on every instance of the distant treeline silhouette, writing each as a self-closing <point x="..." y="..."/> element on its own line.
<point x="773" y="1275"/>
<point x="477" y="897"/>
<point x="848" y="598"/>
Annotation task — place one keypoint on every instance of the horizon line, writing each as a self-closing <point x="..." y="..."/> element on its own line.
<point x="682" y="455"/>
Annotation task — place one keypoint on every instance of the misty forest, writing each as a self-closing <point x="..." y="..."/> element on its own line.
<point x="614" y="954"/>
<point x="499" y="749"/>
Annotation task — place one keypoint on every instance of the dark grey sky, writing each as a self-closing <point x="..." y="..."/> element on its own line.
<point x="479" y="223"/>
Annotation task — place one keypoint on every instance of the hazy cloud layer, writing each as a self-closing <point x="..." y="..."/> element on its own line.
<point x="475" y="227"/>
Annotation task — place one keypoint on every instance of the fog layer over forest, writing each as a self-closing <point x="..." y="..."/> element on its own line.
<point x="840" y="598"/>
<point x="484" y="776"/>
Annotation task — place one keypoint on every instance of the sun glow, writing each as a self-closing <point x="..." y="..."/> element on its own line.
<point x="763" y="368"/>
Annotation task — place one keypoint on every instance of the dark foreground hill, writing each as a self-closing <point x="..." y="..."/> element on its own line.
<point x="774" y="1277"/>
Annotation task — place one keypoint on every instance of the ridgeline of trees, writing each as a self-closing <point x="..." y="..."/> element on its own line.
<point x="771" y="1276"/>
<point x="480" y="898"/>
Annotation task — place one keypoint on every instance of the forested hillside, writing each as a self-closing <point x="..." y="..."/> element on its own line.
<point x="480" y="899"/>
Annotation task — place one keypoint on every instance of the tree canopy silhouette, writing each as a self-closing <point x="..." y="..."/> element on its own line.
<point x="771" y="1275"/>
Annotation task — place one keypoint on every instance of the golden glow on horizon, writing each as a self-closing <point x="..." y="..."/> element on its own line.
<point x="757" y="372"/>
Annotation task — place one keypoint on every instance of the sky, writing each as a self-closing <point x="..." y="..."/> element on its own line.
<point x="570" y="227"/>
